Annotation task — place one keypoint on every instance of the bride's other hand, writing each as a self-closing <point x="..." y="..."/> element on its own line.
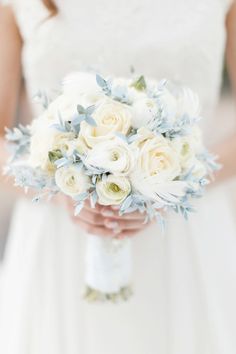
<point x="106" y="221"/>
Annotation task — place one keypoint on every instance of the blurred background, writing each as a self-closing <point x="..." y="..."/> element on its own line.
<point x="226" y="111"/>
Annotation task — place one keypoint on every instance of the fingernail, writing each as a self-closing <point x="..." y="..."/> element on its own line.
<point x="117" y="231"/>
<point x="112" y="225"/>
<point x="108" y="213"/>
<point x="115" y="207"/>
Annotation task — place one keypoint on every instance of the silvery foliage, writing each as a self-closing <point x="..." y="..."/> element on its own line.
<point x="65" y="126"/>
<point x="42" y="98"/>
<point x="142" y="204"/>
<point x="83" y="114"/>
<point x="28" y="177"/>
<point x="161" y="123"/>
<point x="116" y="92"/>
<point x="210" y="161"/>
<point x="25" y="175"/>
<point x="106" y="85"/>
<point x="19" y="137"/>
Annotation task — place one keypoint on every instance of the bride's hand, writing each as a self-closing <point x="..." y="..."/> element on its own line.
<point x="106" y="221"/>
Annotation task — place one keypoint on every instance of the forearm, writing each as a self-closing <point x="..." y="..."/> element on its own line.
<point x="226" y="150"/>
<point x="10" y="81"/>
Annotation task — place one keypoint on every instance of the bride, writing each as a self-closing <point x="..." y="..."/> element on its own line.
<point x="185" y="282"/>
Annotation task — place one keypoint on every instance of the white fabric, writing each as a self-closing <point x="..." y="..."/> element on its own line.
<point x="185" y="282"/>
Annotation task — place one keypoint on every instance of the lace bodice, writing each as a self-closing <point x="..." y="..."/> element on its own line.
<point x="181" y="40"/>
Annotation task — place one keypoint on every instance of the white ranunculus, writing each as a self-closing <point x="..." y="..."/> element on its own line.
<point x="41" y="143"/>
<point x="137" y="95"/>
<point x="185" y="151"/>
<point x="113" y="155"/>
<point x="179" y="101"/>
<point x="71" y="180"/>
<point x="157" y="167"/>
<point x="144" y="111"/>
<point x="187" y="148"/>
<point x="61" y="141"/>
<point x="78" y="145"/>
<point x="110" y="117"/>
<point x="113" y="190"/>
<point x="65" y="106"/>
<point x="44" y="139"/>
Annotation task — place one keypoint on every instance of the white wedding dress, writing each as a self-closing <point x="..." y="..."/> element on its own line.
<point x="185" y="281"/>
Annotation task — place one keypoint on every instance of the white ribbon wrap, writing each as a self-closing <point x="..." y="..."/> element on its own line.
<point x="108" y="264"/>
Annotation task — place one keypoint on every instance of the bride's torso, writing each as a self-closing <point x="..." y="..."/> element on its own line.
<point x="181" y="40"/>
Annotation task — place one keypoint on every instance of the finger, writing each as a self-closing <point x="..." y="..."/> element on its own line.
<point x="89" y="217"/>
<point x="71" y="207"/>
<point x="87" y="204"/>
<point x="96" y="230"/>
<point x="124" y="224"/>
<point x="97" y="208"/>
<point x="128" y="234"/>
<point x="109" y="212"/>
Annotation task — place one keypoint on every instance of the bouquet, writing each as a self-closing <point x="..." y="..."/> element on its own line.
<point x="133" y="143"/>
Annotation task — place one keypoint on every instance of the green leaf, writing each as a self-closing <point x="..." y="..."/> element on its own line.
<point x="140" y="84"/>
<point x="54" y="155"/>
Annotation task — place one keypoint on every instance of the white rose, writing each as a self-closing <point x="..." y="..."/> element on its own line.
<point x="72" y="181"/>
<point x="179" y="101"/>
<point x="113" y="190"/>
<point x="157" y="167"/>
<point x="144" y="111"/>
<point x="156" y="156"/>
<point x="114" y="156"/>
<point x="143" y="134"/>
<point x="111" y="117"/>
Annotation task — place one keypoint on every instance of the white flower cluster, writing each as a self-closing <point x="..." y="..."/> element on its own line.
<point x="131" y="143"/>
<point x="120" y="137"/>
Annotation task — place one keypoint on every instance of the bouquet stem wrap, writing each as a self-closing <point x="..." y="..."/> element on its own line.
<point x="108" y="269"/>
